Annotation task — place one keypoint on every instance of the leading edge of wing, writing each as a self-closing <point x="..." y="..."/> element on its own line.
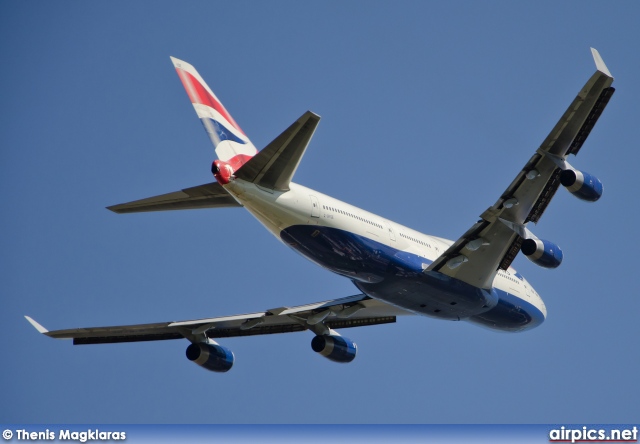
<point x="319" y="317"/>
<point x="495" y="243"/>
<point x="353" y="311"/>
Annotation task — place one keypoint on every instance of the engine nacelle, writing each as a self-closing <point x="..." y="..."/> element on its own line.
<point x="336" y="348"/>
<point x="543" y="253"/>
<point x="211" y="356"/>
<point x="583" y="185"/>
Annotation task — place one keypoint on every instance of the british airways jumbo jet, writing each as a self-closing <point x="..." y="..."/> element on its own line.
<point x="397" y="271"/>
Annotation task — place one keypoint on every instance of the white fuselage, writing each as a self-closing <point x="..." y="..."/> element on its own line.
<point x="318" y="213"/>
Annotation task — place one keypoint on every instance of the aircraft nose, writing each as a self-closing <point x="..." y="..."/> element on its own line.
<point x="538" y="314"/>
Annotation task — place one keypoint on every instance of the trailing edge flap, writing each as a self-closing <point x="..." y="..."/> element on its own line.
<point x="275" y="165"/>
<point x="353" y="311"/>
<point x="210" y="195"/>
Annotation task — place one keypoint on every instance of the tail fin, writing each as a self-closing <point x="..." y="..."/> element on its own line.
<point x="230" y="142"/>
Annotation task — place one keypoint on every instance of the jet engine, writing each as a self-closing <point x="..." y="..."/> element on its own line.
<point x="582" y="185"/>
<point x="543" y="253"/>
<point x="335" y="348"/>
<point x="213" y="357"/>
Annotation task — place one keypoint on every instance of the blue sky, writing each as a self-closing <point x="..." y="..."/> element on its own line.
<point x="429" y="110"/>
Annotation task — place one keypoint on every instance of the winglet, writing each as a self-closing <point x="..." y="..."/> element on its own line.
<point x="37" y="326"/>
<point x="599" y="62"/>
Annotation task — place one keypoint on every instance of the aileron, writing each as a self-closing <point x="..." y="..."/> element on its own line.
<point x="292" y="319"/>
<point x="529" y="194"/>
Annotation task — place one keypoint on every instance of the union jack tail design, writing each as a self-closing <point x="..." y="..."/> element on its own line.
<point x="230" y="142"/>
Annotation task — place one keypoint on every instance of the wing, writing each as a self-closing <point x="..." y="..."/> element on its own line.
<point x="320" y="317"/>
<point x="494" y="241"/>
<point x="209" y="195"/>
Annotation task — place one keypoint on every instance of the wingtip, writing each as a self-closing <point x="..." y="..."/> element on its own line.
<point x="600" y="65"/>
<point x="37" y="326"/>
<point x="309" y="115"/>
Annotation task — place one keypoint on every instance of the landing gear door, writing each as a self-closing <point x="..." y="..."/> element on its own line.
<point x="315" y="206"/>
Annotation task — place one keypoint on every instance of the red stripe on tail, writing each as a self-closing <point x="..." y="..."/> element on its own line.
<point x="198" y="94"/>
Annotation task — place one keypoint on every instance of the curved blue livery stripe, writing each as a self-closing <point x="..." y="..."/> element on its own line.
<point x="511" y="314"/>
<point x="218" y="132"/>
<point x="351" y="255"/>
<point x="386" y="273"/>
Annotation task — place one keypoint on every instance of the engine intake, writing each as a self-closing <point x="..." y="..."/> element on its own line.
<point x="583" y="185"/>
<point x="335" y="348"/>
<point x="211" y="356"/>
<point x="543" y="253"/>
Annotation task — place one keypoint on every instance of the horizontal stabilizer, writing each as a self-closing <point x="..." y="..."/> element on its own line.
<point x="275" y="165"/>
<point x="210" y="195"/>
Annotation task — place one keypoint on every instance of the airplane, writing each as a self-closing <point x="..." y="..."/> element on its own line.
<point x="397" y="271"/>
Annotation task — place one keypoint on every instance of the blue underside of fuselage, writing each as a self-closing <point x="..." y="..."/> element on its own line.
<point x="398" y="277"/>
